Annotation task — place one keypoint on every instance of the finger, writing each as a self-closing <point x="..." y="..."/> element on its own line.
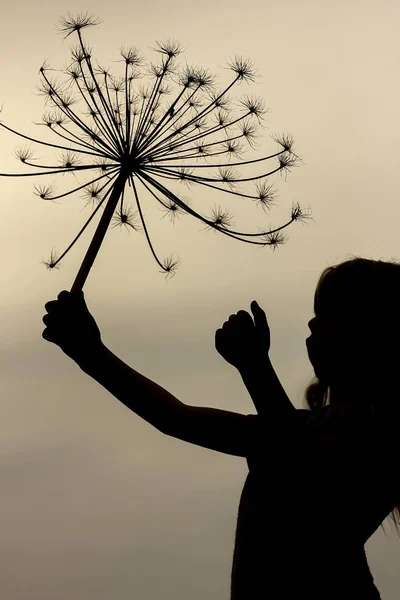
<point x="46" y="335"/>
<point x="66" y="296"/>
<point x="218" y="338"/>
<point x="244" y="317"/>
<point x="240" y="316"/>
<point x="260" y="318"/>
<point x="49" y="306"/>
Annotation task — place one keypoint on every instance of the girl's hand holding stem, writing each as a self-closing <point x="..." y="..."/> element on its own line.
<point x="70" y="325"/>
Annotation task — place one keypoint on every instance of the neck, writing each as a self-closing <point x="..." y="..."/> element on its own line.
<point x="360" y="404"/>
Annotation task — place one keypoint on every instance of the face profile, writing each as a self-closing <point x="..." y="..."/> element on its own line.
<point x="316" y="346"/>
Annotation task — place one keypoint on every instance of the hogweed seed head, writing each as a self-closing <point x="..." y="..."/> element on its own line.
<point x="71" y="24"/>
<point x="243" y="68"/>
<point x="169" y="266"/>
<point x="52" y="262"/>
<point x="44" y="191"/>
<point x="24" y="153"/>
<point x="136" y="140"/>
<point x="220" y="218"/>
<point x="265" y="195"/>
<point x="274" y="239"/>
<point x="131" y="56"/>
<point x="129" y="218"/>
<point x="298" y="213"/>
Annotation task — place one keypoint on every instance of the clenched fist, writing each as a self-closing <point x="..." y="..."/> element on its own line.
<point x="243" y="342"/>
<point x="70" y="325"/>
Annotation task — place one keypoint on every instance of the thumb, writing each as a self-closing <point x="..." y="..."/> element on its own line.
<point x="260" y="317"/>
<point x="72" y="299"/>
<point x="65" y="295"/>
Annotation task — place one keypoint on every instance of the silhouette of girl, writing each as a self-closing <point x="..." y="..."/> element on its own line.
<point x="320" y="479"/>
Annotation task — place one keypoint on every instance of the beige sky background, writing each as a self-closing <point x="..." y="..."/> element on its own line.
<point x="97" y="504"/>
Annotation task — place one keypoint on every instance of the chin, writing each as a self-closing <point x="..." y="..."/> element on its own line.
<point x="313" y="358"/>
<point x="310" y="350"/>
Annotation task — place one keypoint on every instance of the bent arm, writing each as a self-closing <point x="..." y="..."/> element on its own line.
<point x="265" y="389"/>
<point x="220" y="430"/>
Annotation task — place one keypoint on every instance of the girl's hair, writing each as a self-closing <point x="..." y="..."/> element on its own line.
<point x="367" y="293"/>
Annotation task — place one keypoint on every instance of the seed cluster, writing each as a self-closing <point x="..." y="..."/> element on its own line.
<point x="177" y="127"/>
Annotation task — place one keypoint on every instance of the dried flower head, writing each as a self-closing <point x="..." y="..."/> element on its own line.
<point x="169" y="266"/>
<point x="71" y="24"/>
<point x="45" y="191"/>
<point x="24" y="153"/>
<point x="135" y="141"/>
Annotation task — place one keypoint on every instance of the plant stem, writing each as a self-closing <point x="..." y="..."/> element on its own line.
<point x="99" y="233"/>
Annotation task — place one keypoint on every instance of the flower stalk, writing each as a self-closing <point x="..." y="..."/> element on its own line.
<point x="101" y="230"/>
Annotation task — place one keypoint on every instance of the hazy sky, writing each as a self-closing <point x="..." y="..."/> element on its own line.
<point x="97" y="504"/>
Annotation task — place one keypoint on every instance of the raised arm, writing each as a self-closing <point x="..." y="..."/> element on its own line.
<point x="70" y="325"/>
<point x="245" y="344"/>
<point x="265" y="389"/>
<point x="211" y="428"/>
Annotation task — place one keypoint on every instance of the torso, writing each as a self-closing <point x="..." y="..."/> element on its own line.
<point x="288" y="504"/>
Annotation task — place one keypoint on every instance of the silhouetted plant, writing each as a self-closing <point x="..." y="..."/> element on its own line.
<point x="143" y="140"/>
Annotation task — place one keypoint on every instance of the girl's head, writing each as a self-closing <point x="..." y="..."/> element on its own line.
<point x="355" y="335"/>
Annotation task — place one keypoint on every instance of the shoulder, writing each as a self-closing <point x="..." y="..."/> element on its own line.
<point x="269" y="434"/>
<point x="270" y="424"/>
